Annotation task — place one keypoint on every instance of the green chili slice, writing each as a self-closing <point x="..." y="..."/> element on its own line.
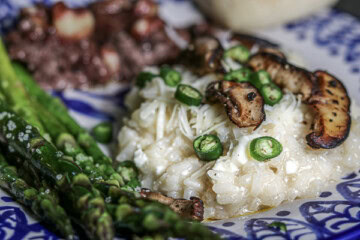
<point x="260" y="78"/>
<point x="238" y="53"/>
<point x="103" y="132"/>
<point x="143" y="78"/>
<point x="240" y="75"/>
<point x="265" y="148"/>
<point x="281" y="226"/>
<point x="170" y="76"/>
<point x="271" y="93"/>
<point x="208" y="147"/>
<point x="188" y="95"/>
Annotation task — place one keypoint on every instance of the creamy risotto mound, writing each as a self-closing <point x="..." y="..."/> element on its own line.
<point x="159" y="138"/>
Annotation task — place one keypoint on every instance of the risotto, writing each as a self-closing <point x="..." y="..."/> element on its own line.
<point x="159" y="138"/>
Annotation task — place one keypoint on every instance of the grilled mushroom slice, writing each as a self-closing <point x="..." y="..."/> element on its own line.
<point x="285" y="75"/>
<point x="204" y="56"/>
<point x="190" y="209"/>
<point x="326" y="94"/>
<point x="332" y="105"/>
<point x="243" y="103"/>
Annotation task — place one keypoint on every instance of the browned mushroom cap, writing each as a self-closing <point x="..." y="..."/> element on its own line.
<point x="285" y="75"/>
<point x="190" y="209"/>
<point x="204" y="56"/>
<point x="332" y="105"/>
<point x="243" y="103"/>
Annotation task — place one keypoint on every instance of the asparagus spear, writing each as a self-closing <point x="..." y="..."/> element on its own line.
<point x="61" y="126"/>
<point x="66" y="141"/>
<point x="24" y="170"/>
<point x="41" y="203"/>
<point x="86" y="201"/>
<point x="145" y="217"/>
<point x="19" y="99"/>
<point x="68" y="145"/>
<point x="129" y="173"/>
<point x="56" y="108"/>
<point x="14" y="90"/>
<point x="116" y="195"/>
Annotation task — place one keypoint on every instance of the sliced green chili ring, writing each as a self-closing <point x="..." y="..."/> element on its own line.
<point x="281" y="226"/>
<point x="188" y="95"/>
<point x="265" y="148"/>
<point x="240" y="75"/>
<point x="208" y="147"/>
<point x="103" y="132"/>
<point x="143" y="78"/>
<point x="238" y="53"/>
<point x="271" y="93"/>
<point x="170" y="76"/>
<point x="260" y="78"/>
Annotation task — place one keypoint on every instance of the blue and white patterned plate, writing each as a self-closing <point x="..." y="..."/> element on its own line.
<point x="329" y="40"/>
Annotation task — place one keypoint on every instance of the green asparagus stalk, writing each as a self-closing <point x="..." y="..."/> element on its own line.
<point x="14" y="90"/>
<point x="56" y="108"/>
<point x="56" y="130"/>
<point x="144" y="217"/>
<point x="61" y="127"/>
<point x="27" y="172"/>
<point x="18" y="96"/>
<point x="130" y="175"/>
<point x="41" y="203"/>
<point x="24" y="169"/>
<point x="86" y="201"/>
<point x="68" y="145"/>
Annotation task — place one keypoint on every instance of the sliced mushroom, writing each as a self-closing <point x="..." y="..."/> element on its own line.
<point x="190" y="209"/>
<point x="332" y="105"/>
<point x="243" y="103"/>
<point x="204" y="56"/>
<point x="285" y="75"/>
<point x="326" y="94"/>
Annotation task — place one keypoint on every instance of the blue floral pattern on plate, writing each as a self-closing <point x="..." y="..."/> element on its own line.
<point x="14" y="224"/>
<point x="336" y="31"/>
<point x="320" y="219"/>
<point x="334" y="214"/>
